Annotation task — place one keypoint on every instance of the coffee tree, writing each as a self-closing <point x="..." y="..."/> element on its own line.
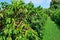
<point x="20" y="21"/>
<point x="55" y="11"/>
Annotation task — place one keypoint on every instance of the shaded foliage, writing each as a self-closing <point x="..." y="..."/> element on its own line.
<point x="54" y="11"/>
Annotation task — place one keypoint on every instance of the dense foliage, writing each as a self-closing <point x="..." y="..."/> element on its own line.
<point x="20" y="21"/>
<point x="54" y="11"/>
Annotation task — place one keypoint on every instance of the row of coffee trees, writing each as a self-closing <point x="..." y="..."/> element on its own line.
<point x="54" y="11"/>
<point x="20" y="21"/>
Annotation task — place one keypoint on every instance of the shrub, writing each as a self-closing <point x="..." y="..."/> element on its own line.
<point x="20" y="21"/>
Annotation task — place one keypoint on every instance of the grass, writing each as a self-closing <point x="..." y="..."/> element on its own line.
<point x="51" y="31"/>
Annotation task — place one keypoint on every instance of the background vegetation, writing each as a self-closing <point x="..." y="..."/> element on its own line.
<point x="20" y="21"/>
